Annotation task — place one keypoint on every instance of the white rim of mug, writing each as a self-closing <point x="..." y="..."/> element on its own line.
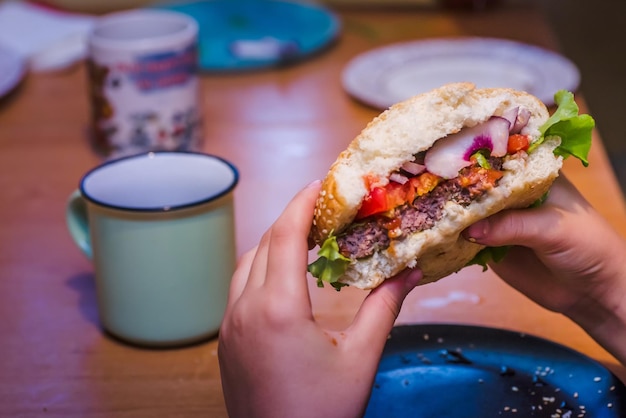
<point x="169" y="208"/>
<point x="187" y="32"/>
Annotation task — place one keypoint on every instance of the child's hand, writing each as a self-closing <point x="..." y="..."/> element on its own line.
<point x="275" y="359"/>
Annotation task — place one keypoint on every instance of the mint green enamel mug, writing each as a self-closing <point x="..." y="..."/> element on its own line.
<point x="159" y="228"/>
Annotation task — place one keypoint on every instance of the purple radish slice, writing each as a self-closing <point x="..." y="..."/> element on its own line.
<point x="452" y="153"/>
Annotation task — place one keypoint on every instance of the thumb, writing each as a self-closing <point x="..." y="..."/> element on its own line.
<point x="381" y="307"/>
<point x="528" y="227"/>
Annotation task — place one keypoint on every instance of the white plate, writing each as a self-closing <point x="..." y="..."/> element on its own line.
<point x="12" y="69"/>
<point x="390" y="74"/>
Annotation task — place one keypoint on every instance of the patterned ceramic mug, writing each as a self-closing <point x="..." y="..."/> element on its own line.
<point x="144" y="83"/>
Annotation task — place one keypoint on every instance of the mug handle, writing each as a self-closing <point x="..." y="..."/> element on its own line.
<point x="78" y="223"/>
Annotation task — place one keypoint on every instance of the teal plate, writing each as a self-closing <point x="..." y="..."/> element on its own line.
<point x="458" y="371"/>
<point x="254" y="34"/>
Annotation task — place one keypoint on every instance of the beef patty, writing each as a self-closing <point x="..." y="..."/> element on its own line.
<point x="372" y="234"/>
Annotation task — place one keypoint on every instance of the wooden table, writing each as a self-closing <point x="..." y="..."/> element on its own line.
<point x="282" y="128"/>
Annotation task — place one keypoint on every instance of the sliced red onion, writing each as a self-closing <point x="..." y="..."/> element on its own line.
<point x="522" y="120"/>
<point x="450" y="154"/>
<point x="398" y="178"/>
<point x="518" y="118"/>
<point x="413" y="168"/>
<point x="511" y="114"/>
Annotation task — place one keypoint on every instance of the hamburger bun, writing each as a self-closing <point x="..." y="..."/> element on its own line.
<point x="395" y="137"/>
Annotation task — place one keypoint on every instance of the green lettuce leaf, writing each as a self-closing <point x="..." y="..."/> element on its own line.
<point x="482" y="161"/>
<point x="487" y="254"/>
<point x="330" y="265"/>
<point x="573" y="129"/>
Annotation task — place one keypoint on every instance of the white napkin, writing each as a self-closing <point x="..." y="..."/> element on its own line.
<point x="46" y="39"/>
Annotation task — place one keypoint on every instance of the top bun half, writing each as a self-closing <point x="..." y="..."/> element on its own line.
<point x="400" y="132"/>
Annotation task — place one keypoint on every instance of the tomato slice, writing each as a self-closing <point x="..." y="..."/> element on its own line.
<point x="397" y="194"/>
<point x="483" y="177"/>
<point x="375" y="202"/>
<point x="517" y="142"/>
<point x="383" y="199"/>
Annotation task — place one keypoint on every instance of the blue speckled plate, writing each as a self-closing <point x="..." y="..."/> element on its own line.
<point x="252" y="34"/>
<point x="459" y="371"/>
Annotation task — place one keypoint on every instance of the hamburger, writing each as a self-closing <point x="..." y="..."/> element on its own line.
<point x="426" y="168"/>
